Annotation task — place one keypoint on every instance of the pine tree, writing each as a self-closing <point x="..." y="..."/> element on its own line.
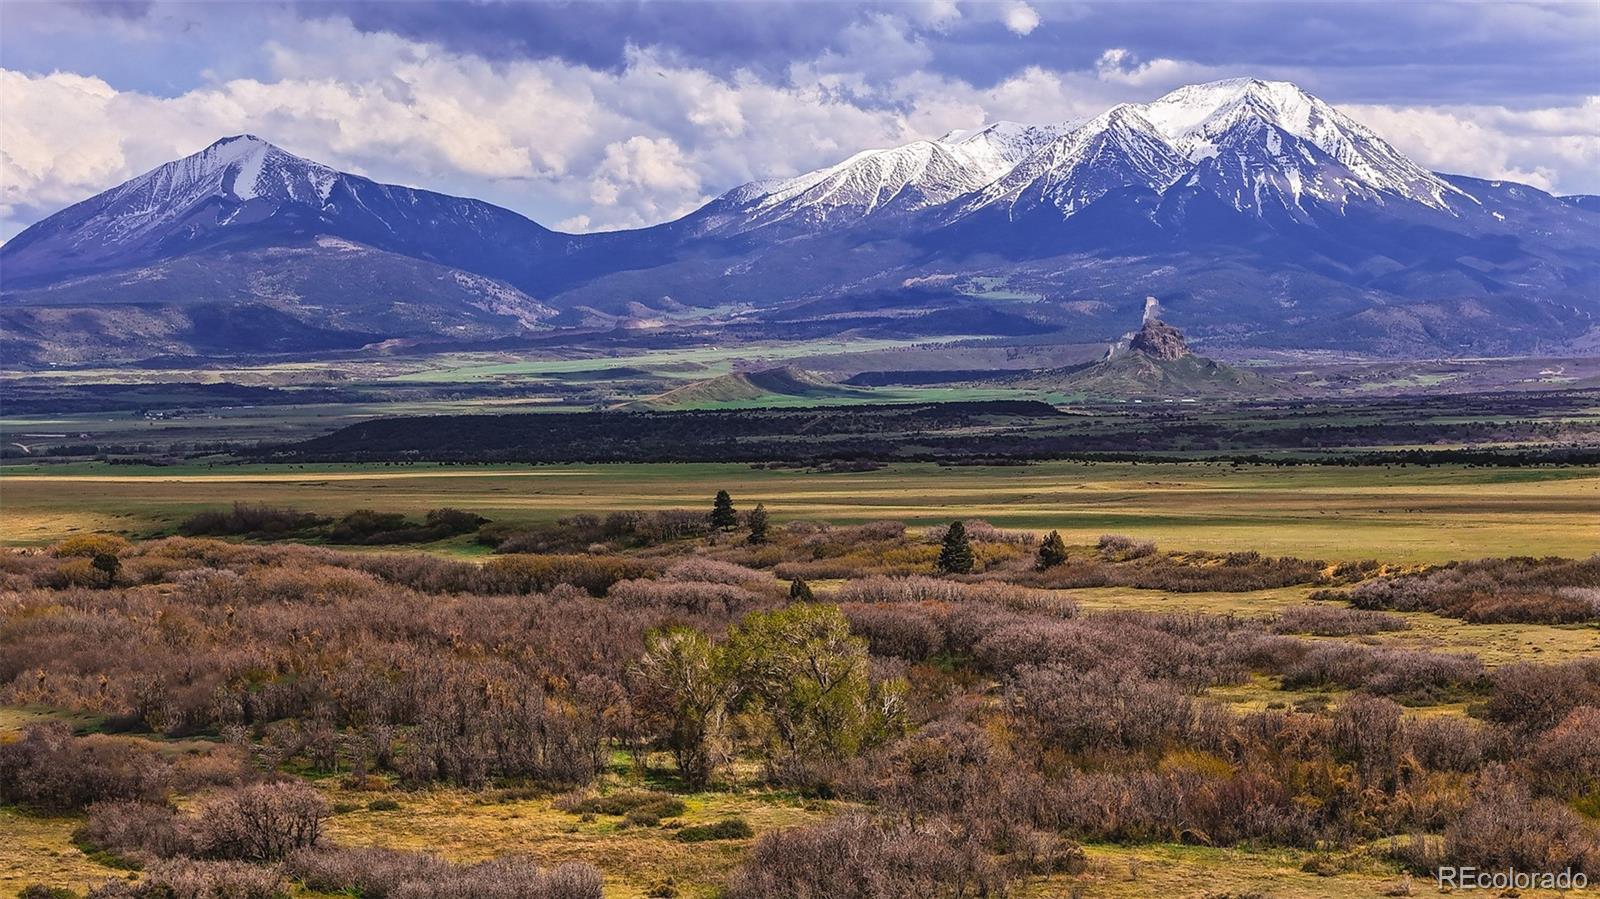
<point x="800" y="591"/>
<point x="1052" y="552"/>
<point x="723" y="517"/>
<point x="955" y="557"/>
<point x="758" y="524"/>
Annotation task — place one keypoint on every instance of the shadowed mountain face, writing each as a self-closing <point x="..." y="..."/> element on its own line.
<point x="1258" y="214"/>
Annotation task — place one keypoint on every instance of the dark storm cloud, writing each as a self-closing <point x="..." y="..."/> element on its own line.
<point x="764" y="37"/>
<point x="1369" y="52"/>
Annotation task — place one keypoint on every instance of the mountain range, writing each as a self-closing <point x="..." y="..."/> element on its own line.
<point x="1260" y="216"/>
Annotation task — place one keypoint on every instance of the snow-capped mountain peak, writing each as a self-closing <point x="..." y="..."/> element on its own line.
<point x="1117" y="149"/>
<point x="1000" y="146"/>
<point x="1197" y="117"/>
<point x="902" y="179"/>
<point x="1266" y="128"/>
<point x="241" y="167"/>
<point x="228" y="175"/>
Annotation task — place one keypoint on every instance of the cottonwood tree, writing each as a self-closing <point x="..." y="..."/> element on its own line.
<point x="804" y="676"/>
<point x="688" y="688"/>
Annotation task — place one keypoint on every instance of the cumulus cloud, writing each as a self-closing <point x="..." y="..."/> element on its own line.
<point x="1121" y="66"/>
<point x="1020" y="18"/>
<point x="595" y="147"/>
<point x="1555" y="149"/>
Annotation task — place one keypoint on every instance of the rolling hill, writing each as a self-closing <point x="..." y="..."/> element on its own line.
<point x="768" y="387"/>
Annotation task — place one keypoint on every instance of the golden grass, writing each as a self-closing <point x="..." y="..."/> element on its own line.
<point x="1494" y="644"/>
<point x="1396" y="515"/>
<point x="457" y="825"/>
<point x="1183" y="871"/>
<point x="39" y="850"/>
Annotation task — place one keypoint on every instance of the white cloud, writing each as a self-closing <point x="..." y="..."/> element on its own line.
<point x="1020" y="18"/>
<point x="1553" y="149"/>
<point x="598" y="149"/>
<point x="654" y="172"/>
<point x="1119" y="66"/>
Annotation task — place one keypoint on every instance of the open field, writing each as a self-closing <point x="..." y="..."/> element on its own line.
<point x="443" y="635"/>
<point x="1396" y="514"/>
<point x="635" y="862"/>
<point x="1494" y="644"/>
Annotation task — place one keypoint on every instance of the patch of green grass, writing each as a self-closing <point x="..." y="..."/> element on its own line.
<point x="726" y="829"/>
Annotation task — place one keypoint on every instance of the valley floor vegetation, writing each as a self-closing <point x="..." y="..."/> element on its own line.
<point x="675" y="703"/>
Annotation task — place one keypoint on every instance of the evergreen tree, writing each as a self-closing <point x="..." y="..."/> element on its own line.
<point x="758" y="524"/>
<point x="955" y="557"/>
<point x="800" y="591"/>
<point x="723" y="517"/>
<point x="108" y="564"/>
<point x="1052" y="552"/>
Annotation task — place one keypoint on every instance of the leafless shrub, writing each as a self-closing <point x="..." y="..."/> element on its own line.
<point x="507" y="877"/>
<point x="901" y="631"/>
<point x="263" y="822"/>
<point x="538" y="574"/>
<point x="142" y="830"/>
<point x="372" y="873"/>
<point x="1443" y="743"/>
<point x="855" y="858"/>
<point x="920" y="589"/>
<point x="1383" y="671"/>
<point x="1566" y="759"/>
<point x="1367" y="731"/>
<point x="187" y="879"/>
<point x="1104" y="709"/>
<point x="1123" y="548"/>
<point x="1334" y="621"/>
<point x="980" y="531"/>
<point x="1493" y="590"/>
<point x="51" y="770"/>
<point x="1531" y="698"/>
<point x="690" y="596"/>
<point x="1504" y="827"/>
<point x="713" y="571"/>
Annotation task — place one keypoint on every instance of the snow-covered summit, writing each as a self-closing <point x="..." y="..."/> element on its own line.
<point x="242" y="167"/>
<point x="1117" y="149"/>
<point x="1000" y="146"/>
<point x="1285" y="147"/>
<point x="234" y="170"/>
<point x="1198" y="117"/>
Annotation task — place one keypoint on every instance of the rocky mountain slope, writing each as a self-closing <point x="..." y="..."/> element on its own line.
<point x="1259" y="214"/>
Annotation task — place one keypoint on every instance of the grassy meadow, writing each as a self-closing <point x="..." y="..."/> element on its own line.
<point x="1395" y="514"/>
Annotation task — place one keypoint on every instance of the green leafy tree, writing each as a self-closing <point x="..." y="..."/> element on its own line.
<point x="955" y="556"/>
<point x="723" y="516"/>
<point x="800" y="591"/>
<point x="758" y="524"/>
<point x="806" y="679"/>
<point x="1052" y="552"/>
<point x="687" y="691"/>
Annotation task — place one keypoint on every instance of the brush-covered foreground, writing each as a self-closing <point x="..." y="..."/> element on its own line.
<point x="650" y="704"/>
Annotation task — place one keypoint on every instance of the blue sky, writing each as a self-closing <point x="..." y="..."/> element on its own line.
<point x="590" y="115"/>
